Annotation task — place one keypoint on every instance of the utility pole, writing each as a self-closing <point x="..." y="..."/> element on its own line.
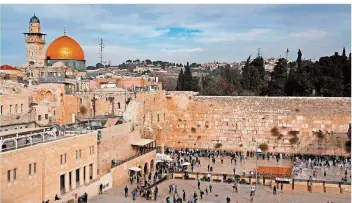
<point x="101" y="47"/>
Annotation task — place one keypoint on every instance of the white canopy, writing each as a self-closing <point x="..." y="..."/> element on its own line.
<point x="186" y="164"/>
<point x="163" y="157"/>
<point x="259" y="151"/>
<point x="159" y="161"/>
<point x="134" y="169"/>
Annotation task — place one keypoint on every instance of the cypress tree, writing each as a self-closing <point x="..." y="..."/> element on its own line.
<point x="187" y="83"/>
<point x="278" y="79"/>
<point x="180" y="81"/>
<point x="344" y="52"/>
<point x="246" y="74"/>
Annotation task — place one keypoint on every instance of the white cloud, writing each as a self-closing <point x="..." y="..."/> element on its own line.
<point x="215" y="36"/>
<point x="190" y="50"/>
<point x="129" y="29"/>
<point x="310" y="34"/>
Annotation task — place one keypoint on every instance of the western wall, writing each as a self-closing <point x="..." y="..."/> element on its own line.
<point x="243" y="123"/>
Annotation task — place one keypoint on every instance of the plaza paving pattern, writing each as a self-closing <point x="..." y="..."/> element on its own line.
<point x="263" y="194"/>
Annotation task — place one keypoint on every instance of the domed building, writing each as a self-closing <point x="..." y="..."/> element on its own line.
<point x="63" y="49"/>
<point x="66" y="50"/>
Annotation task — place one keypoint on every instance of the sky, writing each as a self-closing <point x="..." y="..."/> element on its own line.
<point x="181" y="33"/>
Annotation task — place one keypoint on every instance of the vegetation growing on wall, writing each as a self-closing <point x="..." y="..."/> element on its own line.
<point x="193" y="130"/>
<point x="83" y="110"/>
<point x="264" y="147"/>
<point x="275" y="132"/>
<point x="218" y="146"/>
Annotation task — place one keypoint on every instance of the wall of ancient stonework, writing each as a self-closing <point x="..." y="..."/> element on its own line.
<point x="242" y="123"/>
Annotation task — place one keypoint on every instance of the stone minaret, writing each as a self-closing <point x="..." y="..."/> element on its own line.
<point x="35" y="41"/>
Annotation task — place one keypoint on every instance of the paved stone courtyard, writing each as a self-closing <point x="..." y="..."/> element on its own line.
<point x="223" y="190"/>
<point x="333" y="173"/>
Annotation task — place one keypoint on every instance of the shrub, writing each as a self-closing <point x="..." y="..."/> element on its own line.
<point x="83" y="110"/>
<point x="218" y="145"/>
<point x="293" y="132"/>
<point x="294" y="140"/>
<point x="275" y="132"/>
<point x="193" y="130"/>
<point x="319" y="134"/>
<point x="264" y="147"/>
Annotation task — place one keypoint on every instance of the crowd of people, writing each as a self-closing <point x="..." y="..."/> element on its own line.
<point x="190" y="159"/>
<point x="319" y="167"/>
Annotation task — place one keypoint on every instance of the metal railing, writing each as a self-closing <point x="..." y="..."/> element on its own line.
<point x="120" y="162"/>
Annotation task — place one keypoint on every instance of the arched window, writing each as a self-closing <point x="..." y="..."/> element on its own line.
<point x="118" y="105"/>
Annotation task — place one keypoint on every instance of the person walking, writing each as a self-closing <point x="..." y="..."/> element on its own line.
<point x="134" y="195"/>
<point x="206" y="190"/>
<point x="274" y="190"/>
<point x="85" y="197"/>
<point x="210" y="188"/>
<point x="184" y="195"/>
<point x="198" y="185"/>
<point x="101" y="188"/>
<point x="156" y="190"/>
<point x="282" y="186"/>
<point x="126" y="191"/>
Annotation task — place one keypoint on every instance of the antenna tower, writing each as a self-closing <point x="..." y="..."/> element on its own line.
<point x="101" y="47"/>
<point x="260" y="52"/>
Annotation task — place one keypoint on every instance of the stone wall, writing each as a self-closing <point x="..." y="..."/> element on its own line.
<point x="120" y="174"/>
<point x="115" y="144"/>
<point x="243" y="123"/>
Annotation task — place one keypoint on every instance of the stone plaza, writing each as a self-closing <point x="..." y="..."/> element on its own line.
<point x="219" y="193"/>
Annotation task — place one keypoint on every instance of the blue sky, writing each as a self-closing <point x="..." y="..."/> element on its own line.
<point x="181" y="33"/>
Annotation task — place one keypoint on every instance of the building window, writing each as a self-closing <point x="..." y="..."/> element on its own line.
<point x="65" y="158"/>
<point x="30" y="169"/>
<point x="10" y="109"/>
<point x="54" y="112"/>
<point x="119" y="105"/>
<point x="39" y="117"/>
<point x="9" y="176"/>
<point x="91" y="150"/>
<point x="35" y="168"/>
<point x="80" y="100"/>
<point x="76" y="154"/>
<point x="61" y="156"/>
<point x="16" y="108"/>
<point x="80" y="154"/>
<point x="21" y="108"/>
<point x="1" y="109"/>
<point x="158" y="118"/>
<point x="14" y="173"/>
<point x="46" y="116"/>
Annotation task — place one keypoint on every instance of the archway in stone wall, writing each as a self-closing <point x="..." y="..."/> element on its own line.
<point x="151" y="165"/>
<point x="48" y="96"/>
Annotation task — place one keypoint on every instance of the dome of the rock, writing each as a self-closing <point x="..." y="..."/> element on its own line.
<point x="67" y="51"/>
<point x="65" y="48"/>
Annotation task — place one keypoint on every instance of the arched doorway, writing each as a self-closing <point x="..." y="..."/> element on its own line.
<point x="152" y="165"/>
<point x="146" y="168"/>
<point x="48" y="96"/>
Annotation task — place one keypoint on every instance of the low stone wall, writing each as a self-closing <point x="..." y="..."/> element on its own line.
<point x="120" y="174"/>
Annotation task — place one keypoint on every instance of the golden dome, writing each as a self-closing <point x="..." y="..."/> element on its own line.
<point x="64" y="47"/>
